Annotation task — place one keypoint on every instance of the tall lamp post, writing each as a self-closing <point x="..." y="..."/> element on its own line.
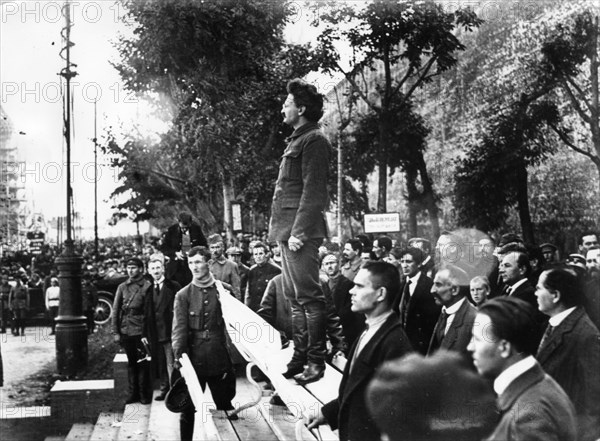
<point x="71" y="329"/>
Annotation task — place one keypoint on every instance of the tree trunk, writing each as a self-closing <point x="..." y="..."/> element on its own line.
<point x="429" y="197"/>
<point x="228" y="197"/>
<point x="382" y="187"/>
<point x="523" y="204"/>
<point x="412" y="202"/>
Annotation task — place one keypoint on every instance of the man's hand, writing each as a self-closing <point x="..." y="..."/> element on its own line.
<point x="144" y="340"/>
<point x="316" y="420"/>
<point x="294" y="243"/>
<point x="178" y="255"/>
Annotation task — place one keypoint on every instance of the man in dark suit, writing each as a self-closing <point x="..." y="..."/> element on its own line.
<point x="414" y="303"/>
<point x="298" y="223"/>
<point x="382" y="340"/>
<point x="176" y="243"/>
<point x="339" y="288"/>
<point x="571" y="351"/>
<point x="532" y="405"/>
<point x="259" y="275"/>
<point x="514" y="272"/>
<point x="453" y="328"/>
<point x="161" y="321"/>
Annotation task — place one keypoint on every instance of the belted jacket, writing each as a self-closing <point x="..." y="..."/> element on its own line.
<point x="300" y="198"/>
<point x="199" y="330"/>
<point x="131" y="307"/>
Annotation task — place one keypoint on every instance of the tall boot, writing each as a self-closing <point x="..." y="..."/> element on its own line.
<point x="300" y="337"/>
<point x="144" y="382"/>
<point x="316" y="323"/>
<point x="134" y="391"/>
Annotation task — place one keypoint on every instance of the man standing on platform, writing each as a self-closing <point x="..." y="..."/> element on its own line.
<point x="298" y="223"/>
<point x="163" y="298"/>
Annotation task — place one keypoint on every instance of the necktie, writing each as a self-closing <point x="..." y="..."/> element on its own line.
<point x="441" y="328"/>
<point x="404" y="302"/>
<point x="545" y="337"/>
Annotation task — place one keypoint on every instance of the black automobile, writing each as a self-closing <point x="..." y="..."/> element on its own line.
<point x="107" y="288"/>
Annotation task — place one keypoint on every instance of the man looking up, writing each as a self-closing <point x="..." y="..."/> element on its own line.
<point x="222" y="268"/>
<point x="298" y="223"/>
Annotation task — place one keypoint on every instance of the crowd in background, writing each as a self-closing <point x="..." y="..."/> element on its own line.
<point x="442" y="289"/>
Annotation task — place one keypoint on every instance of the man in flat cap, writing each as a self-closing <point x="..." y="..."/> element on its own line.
<point x="131" y="309"/>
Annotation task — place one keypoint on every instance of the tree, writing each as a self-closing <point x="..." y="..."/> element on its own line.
<point x="493" y="175"/>
<point x="398" y="46"/>
<point x="222" y="66"/>
<point x="570" y="61"/>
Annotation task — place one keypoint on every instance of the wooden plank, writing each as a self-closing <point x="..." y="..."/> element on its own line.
<point x="223" y="425"/>
<point x="163" y="424"/>
<point x="327" y="388"/>
<point x="80" y="432"/>
<point x="282" y="421"/>
<point x="135" y="422"/>
<point x="107" y="426"/>
<point x="250" y="424"/>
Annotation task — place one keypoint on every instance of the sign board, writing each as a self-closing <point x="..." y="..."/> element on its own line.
<point x="236" y="216"/>
<point x="36" y="241"/>
<point x="382" y="223"/>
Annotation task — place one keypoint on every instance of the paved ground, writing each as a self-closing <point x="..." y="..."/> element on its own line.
<point x="23" y="357"/>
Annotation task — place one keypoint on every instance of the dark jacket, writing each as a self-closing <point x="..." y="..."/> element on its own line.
<point x="258" y="278"/>
<point x="422" y="314"/>
<point x="300" y="198"/>
<point x="571" y="355"/>
<point x="349" y="412"/>
<point x="352" y="323"/>
<point x="459" y="333"/>
<point x="275" y="308"/>
<point x="162" y="310"/>
<point x="534" y="407"/>
<point x="171" y="242"/>
<point x="526" y="292"/>
<point x="131" y="307"/>
<point x="199" y="330"/>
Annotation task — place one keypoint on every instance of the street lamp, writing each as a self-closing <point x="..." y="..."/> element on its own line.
<point x="71" y="328"/>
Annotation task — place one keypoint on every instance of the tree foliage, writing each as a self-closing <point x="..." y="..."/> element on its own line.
<point x="397" y="47"/>
<point x="222" y="67"/>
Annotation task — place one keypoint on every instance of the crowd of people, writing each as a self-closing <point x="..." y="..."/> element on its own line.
<point x="513" y="327"/>
<point x="474" y="337"/>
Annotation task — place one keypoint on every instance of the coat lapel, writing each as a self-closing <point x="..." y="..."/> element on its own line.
<point x="556" y="338"/>
<point x="519" y="386"/>
<point x="363" y="365"/>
